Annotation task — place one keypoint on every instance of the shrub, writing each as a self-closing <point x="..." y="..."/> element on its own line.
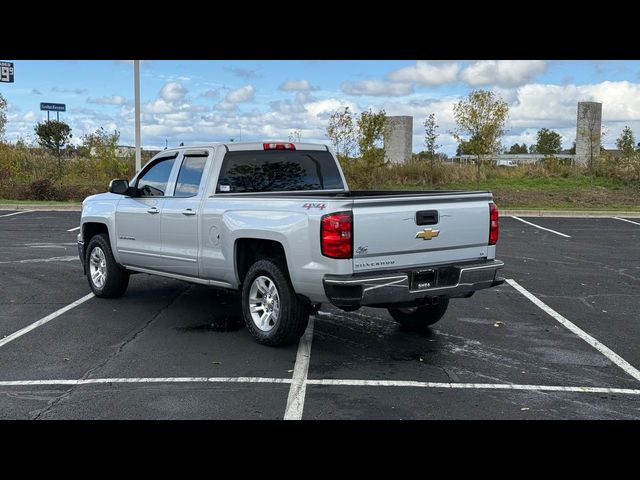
<point x="41" y="190"/>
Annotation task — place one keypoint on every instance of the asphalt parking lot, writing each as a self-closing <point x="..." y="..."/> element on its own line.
<point x="559" y="340"/>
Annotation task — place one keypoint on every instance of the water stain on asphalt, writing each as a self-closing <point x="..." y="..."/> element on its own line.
<point x="221" y="323"/>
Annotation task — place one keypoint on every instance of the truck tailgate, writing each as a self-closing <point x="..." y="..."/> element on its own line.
<point x="408" y="231"/>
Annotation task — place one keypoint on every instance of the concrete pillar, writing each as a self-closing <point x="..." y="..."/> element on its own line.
<point x="588" y="131"/>
<point x="398" y="138"/>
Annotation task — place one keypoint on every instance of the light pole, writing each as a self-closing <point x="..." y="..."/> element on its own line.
<point x="136" y="81"/>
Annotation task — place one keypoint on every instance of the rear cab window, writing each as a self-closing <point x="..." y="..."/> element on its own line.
<point x="278" y="171"/>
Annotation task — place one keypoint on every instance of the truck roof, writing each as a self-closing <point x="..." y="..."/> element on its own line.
<point x="240" y="146"/>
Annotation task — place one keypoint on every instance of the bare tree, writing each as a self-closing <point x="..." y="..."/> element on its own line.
<point x="430" y="143"/>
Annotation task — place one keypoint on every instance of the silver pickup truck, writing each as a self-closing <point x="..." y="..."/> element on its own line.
<point x="277" y="222"/>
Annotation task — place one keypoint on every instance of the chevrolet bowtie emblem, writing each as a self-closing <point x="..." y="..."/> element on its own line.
<point x="427" y="234"/>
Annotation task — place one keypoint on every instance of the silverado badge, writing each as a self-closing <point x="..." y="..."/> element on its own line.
<point x="427" y="234"/>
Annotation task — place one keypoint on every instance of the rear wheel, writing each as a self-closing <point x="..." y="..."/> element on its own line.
<point x="418" y="318"/>
<point x="106" y="278"/>
<point x="273" y="312"/>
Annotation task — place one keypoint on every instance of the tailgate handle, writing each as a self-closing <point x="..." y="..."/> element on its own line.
<point x="427" y="217"/>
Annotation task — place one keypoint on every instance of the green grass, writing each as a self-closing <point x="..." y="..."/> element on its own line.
<point x="551" y="183"/>
<point x="576" y="193"/>
<point x="37" y="202"/>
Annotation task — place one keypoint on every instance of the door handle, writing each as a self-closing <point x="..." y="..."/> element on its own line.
<point x="153" y="210"/>
<point x="188" y="212"/>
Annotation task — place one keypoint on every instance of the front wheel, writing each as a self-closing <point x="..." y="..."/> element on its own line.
<point x="106" y="278"/>
<point x="273" y="312"/>
<point x="418" y="318"/>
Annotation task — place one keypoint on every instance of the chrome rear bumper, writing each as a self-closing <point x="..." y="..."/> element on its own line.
<point x="395" y="288"/>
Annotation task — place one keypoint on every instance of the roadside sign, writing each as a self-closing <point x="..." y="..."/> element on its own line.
<point x="53" y="107"/>
<point x="6" y="72"/>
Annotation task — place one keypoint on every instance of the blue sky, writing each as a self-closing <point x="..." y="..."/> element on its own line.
<point x="204" y="101"/>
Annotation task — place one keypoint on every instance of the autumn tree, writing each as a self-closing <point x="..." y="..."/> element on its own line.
<point x="480" y="118"/>
<point x="54" y="135"/>
<point x="548" y="142"/>
<point x="104" y="146"/>
<point x="3" y="116"/>
<point x="626" y="142"/>
<point x="342" y="132"/>
<point x="370" y="131"/>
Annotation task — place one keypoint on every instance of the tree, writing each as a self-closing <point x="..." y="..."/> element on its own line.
<point x="104" y="147"/>
<point x="370" y="132"/>
<point x="463" y="148"/>
<point x="548" y="142"/>
<point x="3" y="116"/>
<point x="481" y="117"/>
<point x="430" y="139"/>
<point x="342" y="133"/>
<point x="516" y="148"/>
<point x="626" y="142"/>
<point x="54" y="135"/>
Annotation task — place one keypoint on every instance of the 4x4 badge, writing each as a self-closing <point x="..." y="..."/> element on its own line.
<point x="427" y="234"/>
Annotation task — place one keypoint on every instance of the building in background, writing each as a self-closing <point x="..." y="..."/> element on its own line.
<point x="588" y="132"/>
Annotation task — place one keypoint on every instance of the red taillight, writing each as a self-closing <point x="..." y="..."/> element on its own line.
<point x="278" y="146"/>
<point x="493" y="224"/>
<point x="336" y="235"/>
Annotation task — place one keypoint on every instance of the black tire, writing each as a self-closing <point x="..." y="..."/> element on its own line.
<point x="293" y="314"/>
<point x="418" y="318"/>
<point x="117" y="278"/>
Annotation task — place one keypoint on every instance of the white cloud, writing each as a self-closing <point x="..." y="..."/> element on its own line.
<point x="426" y="73"/>
<point x="226" y="106"/>
<point x="503" y="73"/>
<point x="297" y="86"/>
<point x="173" y="91"/>
<point x="240" y="95"/>
<point x="377" y="88"/>
<point x="112" y="100"/>
<point x="327" y="106"/>
<point x="29" y="117"/>
<point x="244" y="72"/>
<point x="210" y="94"/>
<point x="159" y="105"/>
<point x="75" y="91"/>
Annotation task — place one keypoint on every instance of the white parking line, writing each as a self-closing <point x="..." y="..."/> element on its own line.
<point x="73" y="229"/>
<point x="606" y="351"/>
<point x="625" y="220"/>
<point x="44" y="320"/>
<point x="471" y="386"/>
<point x="325" y="382"/>
<point x="70" y="258"/>
<point x="99" y="381"/>
<point x="541" y="228"/>
<point x="298" y="389"/>
<point x="16" y="213"/>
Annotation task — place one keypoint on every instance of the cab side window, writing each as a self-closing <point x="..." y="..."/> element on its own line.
<point x="153" y="182"/>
